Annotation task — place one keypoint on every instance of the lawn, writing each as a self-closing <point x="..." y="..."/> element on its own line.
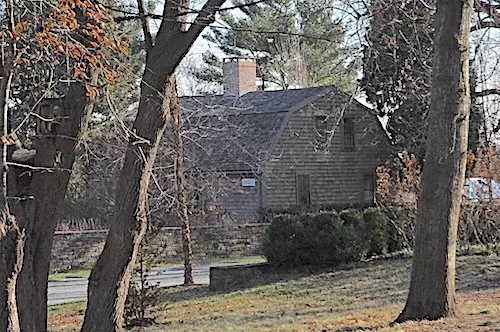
<point x="362" y="295"/>
<point x="67" y="274"/>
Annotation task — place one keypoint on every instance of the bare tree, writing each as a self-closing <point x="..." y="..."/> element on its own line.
<point x="110" y="277"/>
<point x="182" y="199"/>
<point x="36" y="174"/>
<point x="11" y="237"/>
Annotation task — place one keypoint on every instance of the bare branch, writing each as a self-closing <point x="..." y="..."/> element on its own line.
<point x="148" y="39"/>
<point x="38" y="168"/>
<point x="487" y="7"/>
<point x="485" y="25"/>
<point x="487" y="92"/>
<point x="135" y="16"/>
<point x="204" y="18"/>
<point x="491" y="9"/>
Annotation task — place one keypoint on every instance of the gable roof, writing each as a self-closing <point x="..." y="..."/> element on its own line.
<point x="238" y="133"/>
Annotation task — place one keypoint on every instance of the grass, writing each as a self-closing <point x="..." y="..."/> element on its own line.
<point x="66" y="317"/>
<point x="70" y="273"/>
<point x="204" y="261"/>
<point x="362" y="295"/>
<point x="242" y="260"/>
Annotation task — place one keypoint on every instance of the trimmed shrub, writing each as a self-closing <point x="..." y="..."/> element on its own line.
<point x="377" y="231"/>
<point x="327" y="238"/>
<point x="322" y="239"/>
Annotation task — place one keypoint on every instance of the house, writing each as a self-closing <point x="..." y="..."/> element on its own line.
<point x="279" y="149"/>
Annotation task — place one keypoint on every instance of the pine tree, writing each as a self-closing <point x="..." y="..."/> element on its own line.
<point x="397" y="68"/>
<point x="297" y="43"/>
<point x="397" y="72"/>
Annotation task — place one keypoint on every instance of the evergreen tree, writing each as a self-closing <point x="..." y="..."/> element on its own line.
<point x="297" y="43"/>
<point x="397" y="67"/>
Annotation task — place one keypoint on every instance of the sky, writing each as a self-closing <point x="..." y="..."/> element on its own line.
<point x="486" y="57"/>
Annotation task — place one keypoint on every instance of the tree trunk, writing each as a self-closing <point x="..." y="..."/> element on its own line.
<point x="55" y="152"/>
<point x="180" y="178"/>
<point x="11" y="237"/>
<point x="11" y="258"/>
<point x="110" y="277"/>
<point x="432" y="286"/>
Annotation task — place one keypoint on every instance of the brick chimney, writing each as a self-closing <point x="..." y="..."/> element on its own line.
<point x="240" y="76"/>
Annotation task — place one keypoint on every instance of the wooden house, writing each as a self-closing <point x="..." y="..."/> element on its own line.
<point x="280" y="149"/>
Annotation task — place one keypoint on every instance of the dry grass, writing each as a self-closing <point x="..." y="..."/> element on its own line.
<point x="359" y="296"/>
<point x="66" y="317"/>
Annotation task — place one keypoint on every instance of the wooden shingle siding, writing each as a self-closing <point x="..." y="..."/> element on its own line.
<point x="337" y="176"/>
<point x="237" y="203"/>
<point x="283" y="138"/>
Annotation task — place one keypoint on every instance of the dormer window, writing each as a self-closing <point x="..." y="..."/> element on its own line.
<point x="348" y="134"/>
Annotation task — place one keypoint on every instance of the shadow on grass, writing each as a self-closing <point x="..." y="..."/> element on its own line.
<point x="277" y="275"/>
<point x="477" y="273"/>
<point x="274" y="275"/>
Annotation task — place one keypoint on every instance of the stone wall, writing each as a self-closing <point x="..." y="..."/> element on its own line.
<point x="81" y="249"/>
<point x="76" y="249"/>
<point x="227" y="278"/>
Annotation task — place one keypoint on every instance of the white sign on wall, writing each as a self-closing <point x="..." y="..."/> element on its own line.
<point x="248" y="182"/>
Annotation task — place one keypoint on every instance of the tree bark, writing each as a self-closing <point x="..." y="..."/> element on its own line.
<point x="11" y="237"/>
<point x="11" y="258"/>
<point x="432" y="286"/>
<point x="182" y="208"/>
<point x="37" y="214"/>
<point x="110" y="277"/>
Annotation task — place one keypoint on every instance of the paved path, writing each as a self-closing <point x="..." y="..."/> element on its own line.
<point x="75" y="289"/>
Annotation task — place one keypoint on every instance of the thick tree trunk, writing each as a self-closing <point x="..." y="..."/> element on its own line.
<point x="110" y="277"/>
<point x="11" y="258"/>
<point x="180" y="178"/>
<point x="56" y="149"/>
<point x="432" y="287"/>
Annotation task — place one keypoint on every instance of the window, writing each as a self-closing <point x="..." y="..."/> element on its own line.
<point x="321" y="127"/>
<point x="303" y="188"/>
<point x="369" y="187"/>
<point x="348" y="134"/>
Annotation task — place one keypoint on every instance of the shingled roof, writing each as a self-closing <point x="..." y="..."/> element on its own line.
<point x="238" y="133"/>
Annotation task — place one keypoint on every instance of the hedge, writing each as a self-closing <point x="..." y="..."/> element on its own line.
<point x="328" y="237"/>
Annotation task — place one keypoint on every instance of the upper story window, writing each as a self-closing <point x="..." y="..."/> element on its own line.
<point x="348" y="134"/>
